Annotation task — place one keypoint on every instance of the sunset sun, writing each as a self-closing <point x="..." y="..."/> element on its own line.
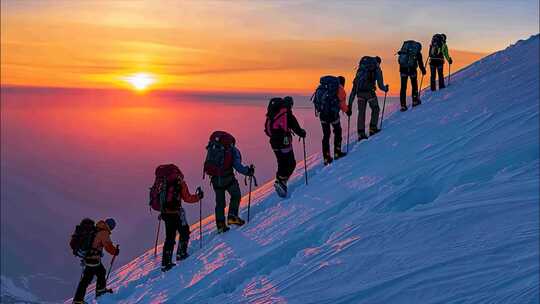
<point x="140" y="81"/>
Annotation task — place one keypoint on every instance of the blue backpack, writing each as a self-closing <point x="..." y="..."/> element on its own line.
<point x="325" y="98"/>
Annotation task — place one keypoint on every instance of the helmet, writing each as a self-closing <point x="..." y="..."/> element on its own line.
<point x="111" y="223"/>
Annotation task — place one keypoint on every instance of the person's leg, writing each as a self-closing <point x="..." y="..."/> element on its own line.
<point x="375" y="110"/>
<point x="440" y="71"/>
<point x="281" y="174"/>
<point x="101" y="274"/>
<point x="234" y="191"/>
<point x="86" y="279"/>
<point x="337" y="137"/>
<point x="326" y="139"/>
<point x="414" y="87"/>
<point x="171" y="226"/>
<point x="220" y="202"/>
<point x="432" y="75"/>
<point x="403" y="91"/>
<point x="291" y="163"/>
<point x="181" y="252"/>
<point x="361" y="120"/>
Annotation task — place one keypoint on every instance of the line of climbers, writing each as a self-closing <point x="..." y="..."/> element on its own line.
<point x="224" y="158"/>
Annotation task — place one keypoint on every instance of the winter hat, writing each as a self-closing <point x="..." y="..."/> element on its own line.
<point x="111" y="223"/>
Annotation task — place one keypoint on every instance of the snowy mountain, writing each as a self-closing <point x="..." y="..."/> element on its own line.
<point x="440" y="207"/>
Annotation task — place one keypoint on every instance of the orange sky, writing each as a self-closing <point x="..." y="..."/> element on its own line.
<point x="217" y="46"/>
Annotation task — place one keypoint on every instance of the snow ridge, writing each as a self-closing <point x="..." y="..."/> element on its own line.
<point x="440" y="207"/>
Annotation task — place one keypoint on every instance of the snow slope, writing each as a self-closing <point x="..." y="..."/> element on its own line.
<point x="440" y="207"/>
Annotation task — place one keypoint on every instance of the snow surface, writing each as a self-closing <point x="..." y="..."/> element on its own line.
<point x="440" y="207"/>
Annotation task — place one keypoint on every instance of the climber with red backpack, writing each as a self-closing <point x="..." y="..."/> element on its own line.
<point x="279" y="127"/>
<point x="329" y="98"/>
<point x="166" y="196"/>
<point x="87" y="243"/>
<point x="222" y="158"/>
<point x="368" y="72"/>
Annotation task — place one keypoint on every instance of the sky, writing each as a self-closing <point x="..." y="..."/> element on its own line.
<point x="241" y="46"/>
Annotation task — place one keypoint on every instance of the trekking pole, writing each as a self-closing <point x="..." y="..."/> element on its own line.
<point x="384" y="106"/>
<point x="348" y="130"/>
<point x="249" y="196"/>
<point x="422" y="79"/>
<point x="449" y="73"/>
<point x="112" y="262"/>
<point x="200" y="223"/>
<point x="305" y="164"/>
<point x="157" y="237"/>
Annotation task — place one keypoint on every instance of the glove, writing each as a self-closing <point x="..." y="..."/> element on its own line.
<point x="117" y="251"/>
<point x="251" y="170"/>
<point x="302" y="133"/>
<point x="423" y="71"/>
<point x="386" y="88"/>
<point x="199" y="193"/>
<point x="159" y="217"/>
<point x="450" y="60"/>
<point x="349" y="112"/>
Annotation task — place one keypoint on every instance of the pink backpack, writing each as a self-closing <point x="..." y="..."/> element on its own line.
<point x="276" y="123"/>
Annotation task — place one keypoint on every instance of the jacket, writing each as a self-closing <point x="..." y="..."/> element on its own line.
<point x="380" y="83"/>
<point x="102" y="241"/>
<point x="282" y="140"/>
<point x="440" y="59"/>
<point x="183" y="194"/>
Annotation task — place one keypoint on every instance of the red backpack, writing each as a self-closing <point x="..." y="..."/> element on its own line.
<point x="219" y="157"/>
<point x="166" y="189"/>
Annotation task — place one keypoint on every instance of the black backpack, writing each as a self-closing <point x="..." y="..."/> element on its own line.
<point x="325" y="98"/>
<point x="408" y="54"/>
<point x="435" y="49"/>
<point x="83" y="238"/>
<point x="365" y="75"/>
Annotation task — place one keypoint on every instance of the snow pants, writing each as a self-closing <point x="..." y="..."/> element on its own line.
<point x="174" y="222"/>
<point x="403" y="90"/>
<point x="437" y="70"/>
<point x="336" y="126"/>
<point x="286" y="164"/>
<point x="86" y="279"/>
<point x="365" y="98"/>
<point x="222" y="184"/>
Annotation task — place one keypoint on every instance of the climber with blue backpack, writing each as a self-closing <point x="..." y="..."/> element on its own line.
<point x="368" y="72"/>
<point x="222" y="159"/>
<point x="409" y="59"/>
<point x="280" y="125"/>
<point x="329" y="98"/>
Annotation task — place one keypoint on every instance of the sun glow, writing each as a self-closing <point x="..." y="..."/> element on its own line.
<point x="140" y="81"/>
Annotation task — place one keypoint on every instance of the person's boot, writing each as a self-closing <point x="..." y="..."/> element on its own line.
<point x="416" y="102"/>
<point x="235" y="220"/>
<point x="103" y="291"/>
<point x="373" y="130"/>
<point x="281" y="187"/>
<point x="403" y="108"/>
<point x="339" y="154"/>
<point x="327" y="159"/>
<point x="181" y="253"/>
<point x="221" y="227"/>
<point x="166" y="261"/>
<point x="362" y="135"/>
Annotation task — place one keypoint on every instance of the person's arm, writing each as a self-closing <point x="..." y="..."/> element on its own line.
<point x="294" y="125"/>
<point x="353" y="94"/>
<point x="107" y="243"/>
<point x="446" y="54"/>
<point x="380" y="80"/>
<point x="237" y="162"/>
<point x="420" y="60"/>
<point x="186" y="196"/>
<point x="342" y="96"/>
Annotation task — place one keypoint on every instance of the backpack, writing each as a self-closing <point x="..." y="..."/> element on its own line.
<point x="168" y="179"/>
<point x="219" y="155"/>
<point x="365" y="75"/>
<point x="408" y="55"/>
<point x="276" y="117"/>
<point x="435" y="49"/>
<point x="83" y="238"/>
<point x="325" y="98"/>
